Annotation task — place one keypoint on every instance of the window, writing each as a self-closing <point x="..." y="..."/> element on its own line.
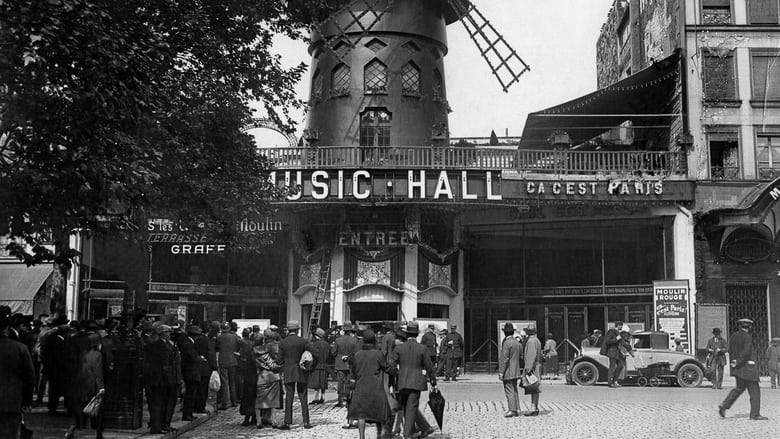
<point x="768" y="153"/>
<point x="716" y="11"/>
<point x="763" y="11"/>
<point x="316" y="86"/>
<point x="375" y="127"/>
<point x="765" y="69"/>
<point x="724" y="153"/>
<point x="340" y="80"/>
<point x="410" y="79"/>
<point x="720" y="80"/>
<point x="375" y="77"/>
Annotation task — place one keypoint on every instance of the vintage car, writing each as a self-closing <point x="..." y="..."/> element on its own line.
<point x="652" y="363"/>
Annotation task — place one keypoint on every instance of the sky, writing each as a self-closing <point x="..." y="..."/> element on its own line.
<point x="556" y="38"/>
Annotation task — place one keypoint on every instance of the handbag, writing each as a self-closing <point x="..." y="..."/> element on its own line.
<point x="92" y="408"/>
<point x="307" y="361"/>
<point x="529" y="381"/>
<point x="214" y="383"/>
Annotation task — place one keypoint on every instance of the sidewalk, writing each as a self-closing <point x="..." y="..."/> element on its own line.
<point x="488" y="378"/>
<point x="45" y="426"/>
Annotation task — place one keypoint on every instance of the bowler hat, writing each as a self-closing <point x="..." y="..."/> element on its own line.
<point x="293" y="325"/>
<point x="531" y="330"/>
<point x="412" y="328"/>
<point x="716" y="330"/>
<point x="509" y="327"/>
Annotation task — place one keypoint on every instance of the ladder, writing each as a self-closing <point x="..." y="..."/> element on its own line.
<point x="321" y="292"/>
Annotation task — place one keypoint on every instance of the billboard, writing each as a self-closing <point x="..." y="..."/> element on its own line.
<point x="671" y="301"/>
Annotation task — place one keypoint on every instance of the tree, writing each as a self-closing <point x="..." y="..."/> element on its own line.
<point x="110" y="110"/>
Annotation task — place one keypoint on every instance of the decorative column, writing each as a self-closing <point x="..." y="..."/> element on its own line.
<point x="685" y="264"/>
<point x="293" y="301"/>
<point x="338" y="307"/>
<point x="409" y="299"/>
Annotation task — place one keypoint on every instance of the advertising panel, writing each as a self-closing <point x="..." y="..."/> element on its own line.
<point x="519" y="325"/>
<point x="671" y="300"/>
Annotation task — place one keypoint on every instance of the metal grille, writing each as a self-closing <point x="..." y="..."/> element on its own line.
<point x="749" y="300"/>
<point x="410" y="79"/>
<point x="316" y="85"/>
<point x="375" y="77"/>
<point x="340" y="79"/>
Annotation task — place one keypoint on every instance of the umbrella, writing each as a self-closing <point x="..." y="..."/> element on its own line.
<point x="436" y="403"/>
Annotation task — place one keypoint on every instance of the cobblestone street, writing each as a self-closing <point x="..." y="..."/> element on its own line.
<point x="476" y="404"/>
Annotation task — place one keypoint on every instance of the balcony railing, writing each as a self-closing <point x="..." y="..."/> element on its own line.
<point x="505" y="159"/>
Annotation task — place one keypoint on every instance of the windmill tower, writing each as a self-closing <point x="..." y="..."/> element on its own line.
<point x="378" y="71"/>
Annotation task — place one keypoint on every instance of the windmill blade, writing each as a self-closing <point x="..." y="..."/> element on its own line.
<point x="504" y="62"/>
<point x="370" y="14"/>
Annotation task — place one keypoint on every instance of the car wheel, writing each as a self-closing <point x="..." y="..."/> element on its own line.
<point x="689" y="375"/>
<point x="584" y="373"/>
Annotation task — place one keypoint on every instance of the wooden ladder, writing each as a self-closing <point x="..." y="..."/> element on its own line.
<point x="321" y="292"/>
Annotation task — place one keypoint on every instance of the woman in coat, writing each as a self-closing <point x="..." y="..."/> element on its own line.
<point x="550" y="353"/>
<point x="269" y="379"/>
<point x="249" y="384"/>
<point x="89" y="382"/>
<point x="532" y="356"/>
<point x="369" y="400"/>
<point x="318" y="378"/>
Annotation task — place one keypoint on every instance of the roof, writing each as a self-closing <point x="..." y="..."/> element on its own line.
<point x="639" y="97"/>
<point x="20" y="282"/>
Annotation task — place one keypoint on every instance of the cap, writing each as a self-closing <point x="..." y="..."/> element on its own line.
<point x="625" y="328"/>
<point x="509" y="327"/>
<point x="273" y="327"/>
<point x="163" y="328"/>
<point x="597" y="331"/>
<point x="293" y="325"/>
<point x="225" y="326"/>
<point x="268" y="333"/>
<point x="412" y="328"/>
<point x="195" y="329"/>
<point x="531" y="330"/>
<point x="775" y="339"/>
<point x="432" y="326"/>
<point x="320" y="333"/>
<point x="745" y="322"/>
<point x="453" y="326"/>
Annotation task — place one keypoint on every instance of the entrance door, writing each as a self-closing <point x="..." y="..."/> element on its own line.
<point x="576" y="331"/>
<point x="373" y="311"/>
<point x="750" y="300"/>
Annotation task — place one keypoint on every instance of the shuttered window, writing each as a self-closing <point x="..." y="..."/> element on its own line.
<point x="765" y="69"/>
<point x="763" y="11"/>
<point x="720" y="82"/>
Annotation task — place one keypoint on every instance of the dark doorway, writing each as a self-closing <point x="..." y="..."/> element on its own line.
<point x="371" y="312"/>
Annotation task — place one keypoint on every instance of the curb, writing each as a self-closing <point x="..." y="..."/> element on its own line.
<point x="189" y="426"/>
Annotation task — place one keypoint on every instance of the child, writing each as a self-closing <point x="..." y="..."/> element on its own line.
<point x="773" y="360"/>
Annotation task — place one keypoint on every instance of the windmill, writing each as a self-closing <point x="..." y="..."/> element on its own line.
<point x="378" y="71"/>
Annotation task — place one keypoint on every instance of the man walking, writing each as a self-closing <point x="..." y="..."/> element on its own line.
<point x="226" y="347"/>
<point x="411" y="360"/>
<point x="744" y="368"/>
<point x="295" y="379"/>
<point x="611" y="349"/>
<point x="342" y="350"/>
<point x="509" y="369"/>
<point x="716" y="357"/>
<point x="455" y="353"/>
<point x="17" y="377"/>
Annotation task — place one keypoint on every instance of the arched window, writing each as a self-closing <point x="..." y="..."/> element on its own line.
<point x="375" y="77"/>
<point x="316" y="86"/>
<point x="410" y="79"/>
<point x="375" y="126"/>
<point x="438" y="86"/>
<point x="339" y="80"/>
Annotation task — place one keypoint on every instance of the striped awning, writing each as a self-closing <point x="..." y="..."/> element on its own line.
<point x="19" y="284"/>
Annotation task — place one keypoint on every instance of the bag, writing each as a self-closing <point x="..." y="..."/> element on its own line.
<point x="307" y="361"/>
<point x="93" y="407"/>
<point x="529" y="381"/>
<point x="214" y="383"/>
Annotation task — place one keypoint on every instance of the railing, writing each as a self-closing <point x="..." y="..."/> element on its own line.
<point x="524" y="161"/>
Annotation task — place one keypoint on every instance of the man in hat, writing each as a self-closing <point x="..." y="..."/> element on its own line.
<point x="161" y="374"/>
<point x="227" y="347"/>
<point x="429" y="342"/>
<point x="318" y="378"/>
<point x="773" y="360"/>
<point x="455" y="345"/>
<point x="191" y="361"/>
<point x="291" y="349"/>
<point x="411" y="360"/>
<point x="597" y="339"/>
<point x="208" y="364"/>
<point x="611" y="349"/>
<point x="16" y="378"/>
<point x="509" y="369"/>
<point x="716" y="357"/>
<point x="342" y="350"/>
<point x="745" y="369"/>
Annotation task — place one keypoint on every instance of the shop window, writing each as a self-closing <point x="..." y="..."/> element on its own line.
<point x="427" y="311"/>
<point x="724" y="153"/>
<point x="375" y="77"/>
<point x="768" y="153"/>
<point x="340" y="80"/>
<point x="720" y="79"/>
<point x="763" y="11"/>
<point x="765" y="72"/>
<point x="316" y="86"/>
<point x="375" y="127"/>
<point x="410" y="79"/>
<point x="716" y="11"/>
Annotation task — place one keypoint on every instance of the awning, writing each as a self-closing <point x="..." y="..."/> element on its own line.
<point x="19" y="284"/>
<point x="647" y="96"/>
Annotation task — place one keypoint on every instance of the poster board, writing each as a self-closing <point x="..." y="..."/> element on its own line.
<point x="438" y="324"/>
<point x="248" y="323"/>
<point x="671" y="301"/>
<point x="519" y="325"/>
<point x="708" y="316"/>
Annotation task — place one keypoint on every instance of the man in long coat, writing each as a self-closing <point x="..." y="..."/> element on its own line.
<point x="207" y="365"/>
<point x="296" y="380"/>
<point x="455" y="344"/>
<point x="411" y="360"/>
<point x="227" y="347"/>
<point x="611" y="349"/>
<point x="17" y="377"/>
<point x="509" y="370"/>
<point x="429" y="342"/>
<point x="532" y="356"/>
<point x="745" y="369"/>
<point x="342" y="350"/>
<point x="190" y="370"/>
<point x="162" y="379"/>
<point x="716" y="351"/>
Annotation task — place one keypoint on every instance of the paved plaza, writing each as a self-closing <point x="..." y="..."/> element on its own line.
<point x="475" y="406"/>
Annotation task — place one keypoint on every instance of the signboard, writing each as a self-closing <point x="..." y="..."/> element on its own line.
<point x="438" y="325"/>
<point x="179" y="311"/>
<point x="671" y="300"/>
<point x="708" y="316"/>
<point x="248" y="323"/>
<point x="519" y="325"/>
